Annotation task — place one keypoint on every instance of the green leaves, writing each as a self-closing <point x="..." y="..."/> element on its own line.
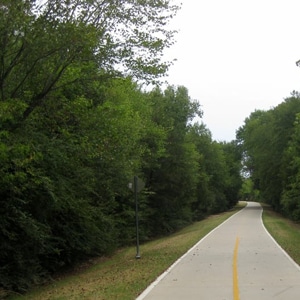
<point x="74" y="128"/>
<point x="290" y="200"/>
<point x="269" y="140"/>
<point x="50" y="44"/>
<point x="65" y="173"/>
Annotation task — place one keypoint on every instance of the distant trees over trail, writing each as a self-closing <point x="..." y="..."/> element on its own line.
<point x="271" y="154"/>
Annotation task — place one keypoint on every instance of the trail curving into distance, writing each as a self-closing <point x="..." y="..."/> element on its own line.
<point x="238" y="260"/>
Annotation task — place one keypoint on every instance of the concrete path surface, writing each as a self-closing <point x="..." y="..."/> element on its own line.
<point x="239" y="260"/>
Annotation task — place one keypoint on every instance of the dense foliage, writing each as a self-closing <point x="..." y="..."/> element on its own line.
<point x="75" y="127"/>
<point x="270" y="140"/>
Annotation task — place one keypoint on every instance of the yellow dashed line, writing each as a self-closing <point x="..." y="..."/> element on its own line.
<point x="236" y="293"/>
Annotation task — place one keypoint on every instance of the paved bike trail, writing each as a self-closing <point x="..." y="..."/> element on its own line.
<point x="239" y="260"/>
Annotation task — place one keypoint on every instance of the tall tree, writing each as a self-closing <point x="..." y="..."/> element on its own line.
<point x="290" y="199"/>
<point x="69" y="136"/>
<point x="265" y="136"/>
<point x="41" y="41"/>
<point x="173" y="183"/>
<point x="219" y="172"/>
<point x="232" y="156"/>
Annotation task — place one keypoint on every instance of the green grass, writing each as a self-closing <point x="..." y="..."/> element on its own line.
<point x="284" y="231"/>
<point x="122" y="276"/>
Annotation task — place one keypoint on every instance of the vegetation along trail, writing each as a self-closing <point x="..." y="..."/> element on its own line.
<point x="237" y="260"/>
<point x="77" y="125"/>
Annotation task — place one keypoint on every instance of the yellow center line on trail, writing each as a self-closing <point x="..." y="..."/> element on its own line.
<point x="236" y="293"/>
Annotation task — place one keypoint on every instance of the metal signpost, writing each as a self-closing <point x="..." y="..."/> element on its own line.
<point x="137" y="185"/>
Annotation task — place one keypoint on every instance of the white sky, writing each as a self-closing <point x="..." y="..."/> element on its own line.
<point x="235" y="56"/>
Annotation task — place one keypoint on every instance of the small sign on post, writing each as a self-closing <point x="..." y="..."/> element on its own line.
<point x="137" y="185"/>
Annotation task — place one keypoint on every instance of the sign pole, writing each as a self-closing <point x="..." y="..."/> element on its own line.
<point x="136" y="218"/>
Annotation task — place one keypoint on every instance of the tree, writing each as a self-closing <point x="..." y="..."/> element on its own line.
<point x="257" y="137"/>
<point x="201" y="137"/>
<point x="172" y="181"/>
<point x="219" y="169"/>
<point x="232" y="156"/>
<point x="69" y="136"/>
<point x="47" y="45"/>
<point x="290" y="200"/>
<point x="265" y="136"/>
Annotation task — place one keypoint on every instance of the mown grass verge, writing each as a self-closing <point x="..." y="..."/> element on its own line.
<point x="284" y="231"/>
<point x="122" y="276"/>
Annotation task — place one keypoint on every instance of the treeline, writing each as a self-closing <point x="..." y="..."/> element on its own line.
<point x="271" y="146"/>
<point x="75" y="127"/>
<point x="65" y="174"/>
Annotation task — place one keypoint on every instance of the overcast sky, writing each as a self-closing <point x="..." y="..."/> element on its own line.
<point x="235" y="56"/>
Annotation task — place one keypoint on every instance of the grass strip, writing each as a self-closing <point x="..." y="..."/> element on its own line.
<point x="122" y="276"/>
<point x="284" y="231"/>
